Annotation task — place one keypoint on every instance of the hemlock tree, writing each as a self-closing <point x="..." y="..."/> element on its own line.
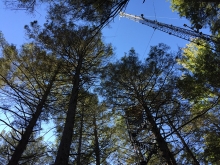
<point x="97" y="141"/>
<point x="201" y="74"/>
<point x="27" y="82"/>
<point x="83" y="53"/>
<point x="35" y="152"/>
<point x="96" y="12"/>
<point x="199" y="82"/>
<point x="102" y="131"/>
<point x="129" y="83"/>
<point x="92" y="136"/>
<point x="89" y="52"/>
<point x="150" y="87"/>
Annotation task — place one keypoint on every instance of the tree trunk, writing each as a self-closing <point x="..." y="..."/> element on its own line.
<point x="62" y="157"/>
<point x="80" y="140"/>
<point x="168" y="156"/>
<point x="195" y="161"/>
<point x="29" y="129"/>
<point x="97" y="150"/>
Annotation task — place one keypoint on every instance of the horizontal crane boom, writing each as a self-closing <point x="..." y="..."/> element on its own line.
<point x="185" y="34"/>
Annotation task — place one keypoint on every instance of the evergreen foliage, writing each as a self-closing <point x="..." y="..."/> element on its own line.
<point x="162" y="110"/>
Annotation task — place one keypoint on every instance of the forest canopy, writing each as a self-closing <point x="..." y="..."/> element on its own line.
<point x="163" y="109"/>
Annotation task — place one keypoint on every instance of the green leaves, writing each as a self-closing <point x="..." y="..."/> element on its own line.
<point x="200" y="84"/>
<point x="212" y="148"/>
<point x="34" y="153"/>
<point x="202" y="78"/>
<point x="200" y="13"/>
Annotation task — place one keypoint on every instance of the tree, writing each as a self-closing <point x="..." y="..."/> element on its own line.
<point x="35" y="153"/>
<point x="87" y="52"/>
<point x="212" y="148"/>
<point x="103" y="141"/>
<point x="147" y="87"/>
<point x="92" y="140"/>
<point x="199" y="83"/>
<point x="93" y="11"/>
<point x="200" y="13"/>
<point x="28" y="82"/>
<point x="83" y="53"/>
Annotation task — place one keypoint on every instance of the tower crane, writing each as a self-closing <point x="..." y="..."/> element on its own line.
<point x="183" y="33"/>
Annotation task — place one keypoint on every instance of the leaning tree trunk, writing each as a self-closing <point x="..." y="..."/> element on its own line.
<point x="20" y="148"/>
<point x="62" y="157"/>
<point x="166" y="154"/>
<point x="195" y="161"/>
<point x="97" y="150"/>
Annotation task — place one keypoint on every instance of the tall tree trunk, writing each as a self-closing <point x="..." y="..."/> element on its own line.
<point x="29" y="129"/>
<point x="97" y="150"/>
<point x="168" y="156"/>
<point x="80" y="140"/>
<point x="195" y="161"/>
<point x="62" y="157"/>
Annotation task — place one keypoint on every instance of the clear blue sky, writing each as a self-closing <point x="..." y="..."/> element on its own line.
<point x="123" y="34"/>
<point x="126" y="33"/>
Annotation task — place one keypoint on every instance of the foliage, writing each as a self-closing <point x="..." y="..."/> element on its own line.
<point x="202" y="71"/>
<point x="92" y="11"/>
<point x="200" y="84"/>
<point x="212" y="148"/>
<point x="150" y="87"/>
<point x="200" y="13"/>
<point x="35" y="153"/>
<point x="173" y="109"/>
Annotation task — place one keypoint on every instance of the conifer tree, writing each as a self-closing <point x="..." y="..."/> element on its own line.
<point x="148" y="95"/>
<point x="27" y="82"/>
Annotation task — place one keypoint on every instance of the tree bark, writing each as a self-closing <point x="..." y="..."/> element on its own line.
<point x="195" y="161"/>
<point x="80" y="140"/>
<point x="97" y="150"/>
<point x="29" y="130"/>
<point x="62" y="157"/>
<point x="168" y="156"/>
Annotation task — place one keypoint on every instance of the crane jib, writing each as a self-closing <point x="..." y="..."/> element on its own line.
<point x="183" y="33"/>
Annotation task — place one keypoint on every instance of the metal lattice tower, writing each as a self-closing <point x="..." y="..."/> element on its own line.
<point x="137" y="122"/>
<point x="185" y="34"/>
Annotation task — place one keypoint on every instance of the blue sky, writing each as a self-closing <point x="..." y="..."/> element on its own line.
<point x="12" y="23"/>
<point x="126" y="33"/>
<point x="123" y="33"/>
